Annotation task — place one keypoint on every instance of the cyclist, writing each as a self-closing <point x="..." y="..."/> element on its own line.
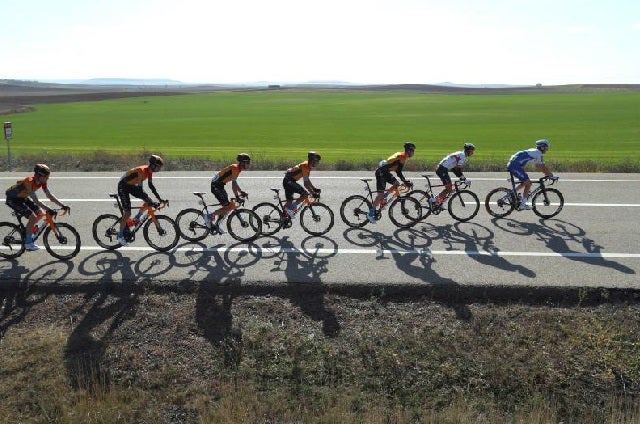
<point x="383" y="176"/>
<point x="131" y="184"/>
<point x="291" y="185"/>
<point x="520" y="159"/>
<point x="22" y="198"/>
<point x="452" y="162"/>
<point x="230" y="173"/>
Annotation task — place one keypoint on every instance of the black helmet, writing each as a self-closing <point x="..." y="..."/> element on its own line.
<point x="409" y="146"/>
<point x="313" y="156"/>
<point x="41" y="169"/>
<point x="243" y="157"/>
<point x="469" y="146"/>
<point x="156" y="160"/>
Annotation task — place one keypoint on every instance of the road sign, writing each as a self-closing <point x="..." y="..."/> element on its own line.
<point x="8" y="132"/>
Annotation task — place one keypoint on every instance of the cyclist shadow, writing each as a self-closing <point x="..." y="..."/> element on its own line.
<point x="109" y="266"/>
<point x="557" y="235"/>
<point x="477" y="241"/>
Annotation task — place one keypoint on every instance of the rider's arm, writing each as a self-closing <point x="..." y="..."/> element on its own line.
<point x="153" y="189"/>
<point x="236" y="189"/>
<point x="457" y="171"/>
<point x="308" y="185"/>
<point x="401" y="176"/>
<point x="53" y="198"/>
<point x="543" y="168"/>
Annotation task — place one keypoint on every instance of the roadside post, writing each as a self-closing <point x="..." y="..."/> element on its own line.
<point x="8" y="133"/>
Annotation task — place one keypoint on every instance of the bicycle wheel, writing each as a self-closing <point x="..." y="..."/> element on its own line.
<point x="405" y="211"/>
<point x="162" y="235"/>
<point x="270" y="216"/>
<point x="105" y="231"/>
<point x="423" y="198"/>
<point x="244" y="225"/>
<point x="191" y="224"/>
<point x="547" y="203"/>
<point x="464" y="205"/>
<point x="12" y="240"/>
<point x="500" y="202"/>
<point x="354" y="210"/>
<point x="316" y="219"/>
<point x="64" y="243"/>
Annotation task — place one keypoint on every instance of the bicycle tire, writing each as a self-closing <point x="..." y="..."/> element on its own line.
<point x="405" y="212"/>
<point x="191" y="224"/>
<point x="11" y="240"/>
<point x="316" y="219"/>
<point x="105" y="231"/>
<point x="270" y="217"/>
<point x="500" y="202"/>
<point x="423" y="198"/>
<point x="354" y="210"/>
<point x="244" y="225"/>
<point x="163" y="235"/>
<point x="63" y="245"/>
<point x="547" y="203"/>
<point x="463" y="205"/>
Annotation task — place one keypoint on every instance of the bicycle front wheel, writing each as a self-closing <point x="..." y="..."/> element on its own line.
<point x="316" y="219"/>
<point x="464" y="205"/>
<point x="423" y="198"/>
<point x="191" y="224"/>
<point x="405" y="211"/>
<point x="354" y="210"/>
<point x="11" y="240"/>
<point x="547" y="203"/>
<point x="500" y="202"/>
<point x="270" y="216"/>
<point x="105" y="231"/>
<point x="244" y="225"/>
<point x="63" y="243"/>
<point x="163" y="234"/>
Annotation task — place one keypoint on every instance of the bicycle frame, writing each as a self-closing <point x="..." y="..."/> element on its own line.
<point x="539" y="187"/>
<point x="147" y="210"/>
<point x="392" y="193"/>
<point x="456" y="188"/>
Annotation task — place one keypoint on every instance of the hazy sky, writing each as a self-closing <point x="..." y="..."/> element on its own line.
<point x="368" y="41"/>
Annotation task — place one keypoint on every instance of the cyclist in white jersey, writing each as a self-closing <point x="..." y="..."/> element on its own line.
<point x="452" y="162"/>
<point x="519" y="160"/>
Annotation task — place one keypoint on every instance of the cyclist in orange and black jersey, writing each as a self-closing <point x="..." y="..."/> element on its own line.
<point x="291" y="185"/>
<point x="22" y="198"/>
<point x="229" y="173"/>
<point x="395" y="163"/>
<point x="131" y="185"/>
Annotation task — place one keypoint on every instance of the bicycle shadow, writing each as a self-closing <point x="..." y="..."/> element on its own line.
<point x="108" y="266"/>
<point x="559" y="236"/>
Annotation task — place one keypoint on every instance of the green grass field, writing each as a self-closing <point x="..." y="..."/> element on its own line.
<point x="350" y="126"/>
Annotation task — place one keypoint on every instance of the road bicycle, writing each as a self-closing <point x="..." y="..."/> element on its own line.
<point x="404" y="211"/>
<point x="316" y="218"/>
<point x="462" y="204"/>
<point x="61" y="240"/>
<point x="242" y="224"/>
<point x="546" y="202"/>
<point x="159" y="231"/>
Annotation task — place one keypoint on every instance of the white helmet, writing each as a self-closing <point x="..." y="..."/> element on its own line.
<point x="542" y="143"/>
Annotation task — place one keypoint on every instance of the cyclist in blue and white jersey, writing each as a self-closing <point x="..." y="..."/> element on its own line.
<point x="519" y="160"/>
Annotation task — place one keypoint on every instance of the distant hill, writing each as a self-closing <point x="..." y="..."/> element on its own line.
<point x="129" y="81"/>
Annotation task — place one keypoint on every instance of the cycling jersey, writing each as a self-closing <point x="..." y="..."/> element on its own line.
<point x="230" y="173"/>
<point x="22" y="189"/>
<point x="135" y="176"/>
<point x="395" y="162"/>
<point x="454" y="160"/>
<point x="301" y="170"/>
<point x="523" y="157"/>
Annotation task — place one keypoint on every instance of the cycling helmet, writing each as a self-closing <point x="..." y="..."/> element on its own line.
<point x="469" y="146"/>
<point x="313" y="156"/>
<point x="156" y="160"/>
<point x="41" y="169"/>
<point x="243" y="158"/>
<point x="409" y="145"/>
<point x="542" y="143"/>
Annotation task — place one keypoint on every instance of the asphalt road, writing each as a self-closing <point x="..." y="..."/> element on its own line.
<point x="592" y="243"/>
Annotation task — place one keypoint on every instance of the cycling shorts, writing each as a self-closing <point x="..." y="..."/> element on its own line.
<point x="519" y="173"/>
<point x="291" y="186"/>
<point x="220" y="193"/>
<point x="125" y="191"/>
<point x="382" y="178"/>
<point x="443" y="173"/>
<point x="24" y="207"/>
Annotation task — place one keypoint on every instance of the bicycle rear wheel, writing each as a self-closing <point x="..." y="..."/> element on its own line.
<point x="423" y="198"/>
<point x="316" y="219"/>
<point x="191" y="224"/>
<point x="163" y="235"/>
<point x="11" y="240"/>
<point x="270" y="216"/>
<point x="500" y="202"/>
<point x="464" y="205"/>
<point x="405" y="211"/>
<point x="244" y="225"/>
<point x="547" y="203"/>
<point x="105" y="231"/>
<point x="354" y="210"/>
<point x="64" y="243"/>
